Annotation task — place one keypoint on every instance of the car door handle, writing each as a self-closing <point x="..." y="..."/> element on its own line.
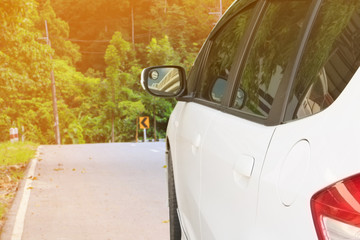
<point x="244" y="166"/>
<point x="196" y="142"/>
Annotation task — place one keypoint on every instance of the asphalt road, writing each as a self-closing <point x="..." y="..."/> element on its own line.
<point x="98" y="191"/>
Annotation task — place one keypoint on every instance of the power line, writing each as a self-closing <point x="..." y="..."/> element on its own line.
<point x="86" y="52"/>
<point x="88" y="41"/>
<point x="101" y="41"/>
<point x="108" y="20"/>
<point x="82" y="40"/>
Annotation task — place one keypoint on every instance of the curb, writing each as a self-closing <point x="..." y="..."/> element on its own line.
<point x="15" y="218"/>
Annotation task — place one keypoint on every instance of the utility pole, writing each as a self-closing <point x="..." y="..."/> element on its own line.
<point x="221" y="8"/>
<point x="132" y="27"/>
<point x="53" y="91"/>
<point x="219" y="13"/>
<point x="165" y="7"/>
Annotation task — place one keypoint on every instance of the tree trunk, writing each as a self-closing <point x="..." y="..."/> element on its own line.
<point x="113" y="113"/>
<point x="137" y="129"/>
<point x="112" y="128"/>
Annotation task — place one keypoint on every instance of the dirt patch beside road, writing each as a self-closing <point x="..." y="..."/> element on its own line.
<point x="14" y="158"/>
<point x="9" y="181"/>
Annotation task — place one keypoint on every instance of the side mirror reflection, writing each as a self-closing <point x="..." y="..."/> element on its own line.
<point x="163" y="81"/>
<point x="218" y="92"/>
<point x="218" y="89"/>
<point x="240" y="98"/>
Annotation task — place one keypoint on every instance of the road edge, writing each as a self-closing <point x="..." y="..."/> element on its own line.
<point x="15" y="218"/>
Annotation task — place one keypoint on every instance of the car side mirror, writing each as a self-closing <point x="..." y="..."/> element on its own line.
<point x="240" y="99"/>
<point x="164" y="81"/>
<point x="218" y="89"/>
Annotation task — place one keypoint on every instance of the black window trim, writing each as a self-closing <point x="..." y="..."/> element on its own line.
<point x="277" y="113"/>
<point x="240" y="62"/>
<point x="317" y="8"/>
<point x="204" y="51"/>
<point x="193" y="96"/>
<point x="280" y="110"/>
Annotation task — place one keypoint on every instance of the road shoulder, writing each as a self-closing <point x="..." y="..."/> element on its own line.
<point x="12" y="229"/>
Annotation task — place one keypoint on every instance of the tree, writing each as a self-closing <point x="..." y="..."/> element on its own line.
<point x="24" y="65"/>
<point x="160" y="53"/>
<point x="108" y="97"/>
<point x="58" y="32"/>
<point x="92" y="23"/>
<point x="120" y="60"/>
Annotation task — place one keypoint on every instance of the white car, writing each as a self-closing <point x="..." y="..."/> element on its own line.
<point x="264" y="142"/>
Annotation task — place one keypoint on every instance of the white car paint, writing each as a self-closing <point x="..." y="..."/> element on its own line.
<point x="334" y="155"/>
<point x="230" y="177"/>
<point x="238" y="177"/>
<point x="279" y="187"/>
<point x="192" y="126"/>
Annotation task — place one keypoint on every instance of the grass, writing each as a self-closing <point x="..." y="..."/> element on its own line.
<point x="16" y="153"/>
<point x="13" y="160"/>
<point x="2" y="208"/>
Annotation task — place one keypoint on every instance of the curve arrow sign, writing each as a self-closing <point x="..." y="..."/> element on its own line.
<point x="144" y="122"/>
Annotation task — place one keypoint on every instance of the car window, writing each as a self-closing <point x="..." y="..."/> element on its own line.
<point x="330" y="60"/>
<point x="223" y="48"/>
<point x="275" y="41"/>
<point x="192" y="77"/>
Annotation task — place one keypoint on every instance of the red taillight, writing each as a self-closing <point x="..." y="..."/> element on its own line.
<point x="336" y="210"/>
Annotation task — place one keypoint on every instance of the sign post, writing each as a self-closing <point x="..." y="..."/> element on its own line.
<point x="144" y="124"/>
<point x="12" y="135"/>
<point x="16" y="131"/>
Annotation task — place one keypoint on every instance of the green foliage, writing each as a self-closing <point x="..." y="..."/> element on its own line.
<point x="74" y="133"/>
<point x="106" y="96"/>
<point x="13" y="159"/>
<point x="58" y="32"/>
<point x="25" y="69"/>
<point x="161" y="52"/>
<point x="334" y="18"/>
<point x="16" y="153"/>
<point x="184" y="21"/>
<point x="2" y="209"/>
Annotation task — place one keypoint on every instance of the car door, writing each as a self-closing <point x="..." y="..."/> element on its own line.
<point x="236" y="142"/>
<point x="195" y="116"/>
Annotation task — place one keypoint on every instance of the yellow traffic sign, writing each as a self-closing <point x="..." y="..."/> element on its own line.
<point x="144" y="122"/>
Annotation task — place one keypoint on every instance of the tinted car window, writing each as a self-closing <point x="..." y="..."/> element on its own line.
<point x="192" y="77"/>
<point x="223" y="48"/>
<point x="330" y="60"/>
<point x="275" y="41"/>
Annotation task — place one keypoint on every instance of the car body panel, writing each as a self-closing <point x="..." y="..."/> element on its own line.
<point x="244" y="175"/>
<point x="191" y="127"/>
<point x="230" y="177"/>
<point x="334" y="155"/>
